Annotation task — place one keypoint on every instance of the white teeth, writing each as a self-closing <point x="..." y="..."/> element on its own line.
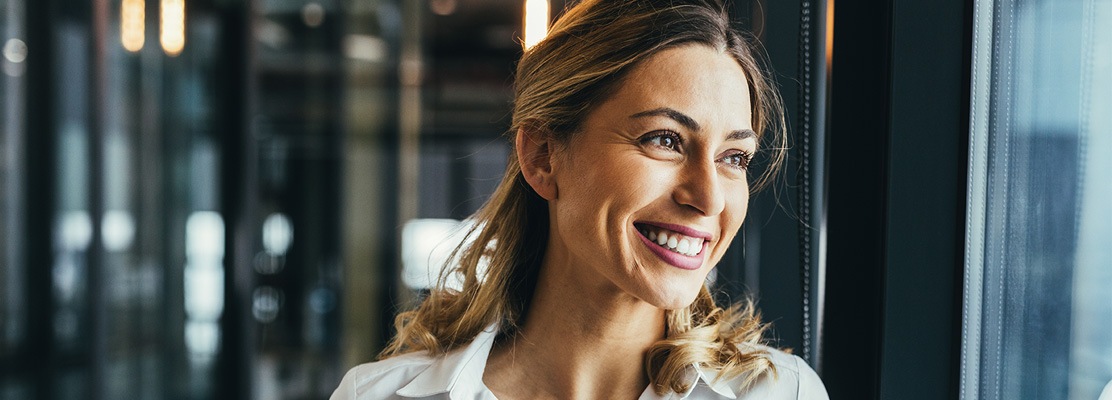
<point x="683" y="246"/>
<point x="676" y="242"/>
<point x="696" y="246"/>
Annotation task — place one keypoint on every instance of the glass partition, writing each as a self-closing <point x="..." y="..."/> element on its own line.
<point x="1038" y="312"/>
<point x="13" y="307"/>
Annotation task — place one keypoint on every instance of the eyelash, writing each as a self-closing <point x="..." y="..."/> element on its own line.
<point x="742" y="164"/>
<point x="650" y="138"/>
<point x="659" y="136"/>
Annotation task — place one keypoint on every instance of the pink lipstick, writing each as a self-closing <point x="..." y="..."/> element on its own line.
<point x="681" y="261"/>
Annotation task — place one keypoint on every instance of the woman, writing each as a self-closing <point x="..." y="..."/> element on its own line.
<point x="635" y="122"/>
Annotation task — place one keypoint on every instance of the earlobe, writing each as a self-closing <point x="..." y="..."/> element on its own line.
<point x="534" y="154"/>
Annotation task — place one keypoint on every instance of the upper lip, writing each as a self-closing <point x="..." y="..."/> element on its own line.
<point x="683" y="230"/>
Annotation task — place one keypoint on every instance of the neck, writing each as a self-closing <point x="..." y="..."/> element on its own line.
<point x="580" y="340"/>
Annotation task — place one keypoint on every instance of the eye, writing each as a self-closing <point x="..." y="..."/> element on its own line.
<point x="738" y="159"/>
<point x="664" y="139"/>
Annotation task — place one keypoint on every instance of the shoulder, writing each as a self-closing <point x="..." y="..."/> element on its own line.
<point x="793" y="380"/>
<point x="380" y="379"/>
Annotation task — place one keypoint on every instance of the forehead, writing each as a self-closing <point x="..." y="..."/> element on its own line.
<point x="700" y="81"/>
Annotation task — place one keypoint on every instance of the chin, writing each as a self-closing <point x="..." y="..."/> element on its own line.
<point x="676" y="300"/>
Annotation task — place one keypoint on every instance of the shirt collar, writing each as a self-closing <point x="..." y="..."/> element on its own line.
<point x="459" y="372"/>
<point x="707" y="375"/>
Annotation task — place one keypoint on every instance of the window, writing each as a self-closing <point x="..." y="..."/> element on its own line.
<point x="1038" y="312"/>
<point x="12" y="68"/>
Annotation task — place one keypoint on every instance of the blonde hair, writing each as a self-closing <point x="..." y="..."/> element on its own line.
<point x="589" y="51"/>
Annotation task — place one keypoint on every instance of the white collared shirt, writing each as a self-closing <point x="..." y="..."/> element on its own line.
<point x="458" y="375"/>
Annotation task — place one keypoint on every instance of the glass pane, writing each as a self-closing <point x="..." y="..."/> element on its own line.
<point x="370" y="115"/>
<point x="11" y="208"/>
<point x="73" y="225"/>
<point x="131" y="268"/>
<point x="425" y="145"/>
<point x="1038" y="317"/>
<point x="297" y="127"/>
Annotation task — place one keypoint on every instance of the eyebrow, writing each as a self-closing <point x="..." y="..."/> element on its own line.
<point x="689" y="122"/>
<point x="741" y="135"/>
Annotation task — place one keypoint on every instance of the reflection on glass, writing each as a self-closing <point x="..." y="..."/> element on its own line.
<point x="1038" y="317"/>
<point x="266" y="303"/>
<point x="204" y="283"/>
<point x="1091" y="333"/>
<point x="15" y="52"/>
<point x="277" y="234"/>
<point x="12" y="211"/>
<point x="74" y="230"/>
<point x="117" y="230"/>
<point x="202" y="338"/>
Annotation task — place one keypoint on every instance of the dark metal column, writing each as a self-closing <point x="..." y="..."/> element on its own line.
<point x="811" y="181"/>
<point x="40" y="171"/>
<point x="238" y="199"/>
<point x="97" y="110"/>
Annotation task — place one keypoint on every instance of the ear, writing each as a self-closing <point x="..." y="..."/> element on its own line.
<point x="534" y="154"/>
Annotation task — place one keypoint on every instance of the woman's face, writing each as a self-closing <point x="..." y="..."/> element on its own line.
<point x="653" y="189"/>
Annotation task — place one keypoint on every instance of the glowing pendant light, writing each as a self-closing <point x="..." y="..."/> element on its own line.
<point x="132" y="23"/>
<point x="172" y="26"/>
<point x="536" y="22"/>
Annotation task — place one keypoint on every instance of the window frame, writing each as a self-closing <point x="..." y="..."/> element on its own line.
<point x="897" y="175"/>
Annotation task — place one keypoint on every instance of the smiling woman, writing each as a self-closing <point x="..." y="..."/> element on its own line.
<point x="634" y="125"/>
<point x="679" y="173"/>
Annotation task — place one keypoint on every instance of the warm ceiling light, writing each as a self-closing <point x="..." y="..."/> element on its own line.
<point x="172" y="27"/>
<point x="536" y="22"/>
<point x="132" y="21"/>
<point x="829" y="34"/>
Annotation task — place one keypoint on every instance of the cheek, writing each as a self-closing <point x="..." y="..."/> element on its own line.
<point x="592" y="189"/>
<point x="616" y="180"/>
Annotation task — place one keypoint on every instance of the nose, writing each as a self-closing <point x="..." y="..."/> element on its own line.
<point x="700" y="188"/>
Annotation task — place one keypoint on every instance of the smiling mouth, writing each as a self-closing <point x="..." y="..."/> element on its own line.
<point x="671" y="240"/>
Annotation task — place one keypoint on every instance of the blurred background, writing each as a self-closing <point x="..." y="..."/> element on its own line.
<point x="232" y="199"/>
<point x="205" y="199"/>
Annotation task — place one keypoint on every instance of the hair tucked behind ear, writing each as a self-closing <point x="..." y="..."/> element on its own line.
<point x="587" y="54"/>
